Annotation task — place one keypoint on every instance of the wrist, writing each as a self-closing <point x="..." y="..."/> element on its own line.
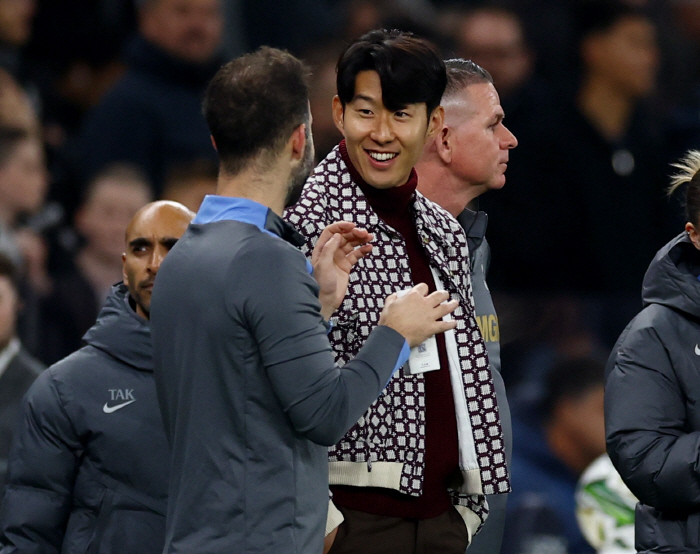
<point x="328" y="306"/>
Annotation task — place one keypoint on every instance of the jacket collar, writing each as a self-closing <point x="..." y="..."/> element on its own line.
<point x="121" y="333"/>
<point x="226" y="208"/>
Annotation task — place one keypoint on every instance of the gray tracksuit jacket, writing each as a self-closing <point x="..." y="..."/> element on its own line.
<point x="248" y="387"/>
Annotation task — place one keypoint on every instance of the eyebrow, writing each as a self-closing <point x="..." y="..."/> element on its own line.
<point x="141" y="241"/>
<point x="363" y="97"/>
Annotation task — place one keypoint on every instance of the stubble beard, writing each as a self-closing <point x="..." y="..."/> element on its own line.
<point x="298" y="178"/>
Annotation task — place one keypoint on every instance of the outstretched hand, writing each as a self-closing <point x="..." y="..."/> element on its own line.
<point x="337" y="250"/>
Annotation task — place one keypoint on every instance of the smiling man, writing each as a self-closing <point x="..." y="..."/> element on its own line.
<point x="407" y="477"/>
<point x="466" y="158"/>
<point x="88" y="469"/>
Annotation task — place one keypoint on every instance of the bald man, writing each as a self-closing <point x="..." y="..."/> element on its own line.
<point x="88" y="469"/>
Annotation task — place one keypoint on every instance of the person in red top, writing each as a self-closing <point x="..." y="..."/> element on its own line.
<point x="411" y="475"/>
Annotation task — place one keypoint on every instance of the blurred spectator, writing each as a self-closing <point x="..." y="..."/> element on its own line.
<point x="17" y="368"/>
<point x="587" y="199"/>
<point x="612" y="159"/>
<point x="23" y="185"/>
<point x="152" y="117"/>
<point x="80" y="288"/>
<point x="494" y="38"/>
<point x="322" y="59"/>
<point x="16" y="110"/>
<point x="292" y="25"/>
<point x="189" y="183"/>
<point x="16" y="18"/>
<point x="553" y="443"/>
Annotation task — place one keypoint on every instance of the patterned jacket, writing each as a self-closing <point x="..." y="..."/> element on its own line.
<point x="387" y="445"/>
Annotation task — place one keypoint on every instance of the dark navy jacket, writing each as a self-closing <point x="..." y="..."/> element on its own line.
<point x="88" y="469"/>
<point x="152" y="117"/>
<point x="652" y="403"/>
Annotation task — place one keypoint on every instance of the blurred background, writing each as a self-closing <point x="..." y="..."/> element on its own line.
<point x="100" y="113"/>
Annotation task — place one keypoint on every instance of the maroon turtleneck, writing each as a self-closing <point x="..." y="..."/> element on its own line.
<point x="394" y="207"/>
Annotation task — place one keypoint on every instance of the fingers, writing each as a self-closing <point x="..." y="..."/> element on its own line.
<point x="358" y="253"/>
<point x="421" y="288"/>
<point x="443" y="309"/>
<point x="442" y="326"/>
<point x="326" y="235"/>
<point x="339" y="227"/>
<point x="356" y="237"/>
<point x="352" y="237"/>
<point x="437" y="297"/>
<point x="326" y="253"/>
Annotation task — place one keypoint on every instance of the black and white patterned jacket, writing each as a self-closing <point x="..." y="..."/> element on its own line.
<point x="386" y="447"/>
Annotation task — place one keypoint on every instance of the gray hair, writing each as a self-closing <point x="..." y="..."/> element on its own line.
<point x="461" y="73"/>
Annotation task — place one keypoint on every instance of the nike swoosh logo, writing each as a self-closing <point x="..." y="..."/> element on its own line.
<point x="697" y="350"/>
<point x="109" y="409"/>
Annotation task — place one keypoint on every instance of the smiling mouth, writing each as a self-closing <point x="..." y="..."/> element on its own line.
<point x="382" y="156"/>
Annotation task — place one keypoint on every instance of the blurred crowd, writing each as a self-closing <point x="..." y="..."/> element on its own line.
<point x="100" y="113"/>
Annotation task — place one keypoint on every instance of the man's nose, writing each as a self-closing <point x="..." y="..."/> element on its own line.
<point x="509" y="141"/>
<point x="383" y="130"/>
<point x="155" y="260"/>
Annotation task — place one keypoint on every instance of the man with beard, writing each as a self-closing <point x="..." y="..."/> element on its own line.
<point x="88" y="468"/>
<point x="248" y="387"/>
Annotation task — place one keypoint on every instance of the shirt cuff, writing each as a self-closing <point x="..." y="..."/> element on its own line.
<point x="402" y="359"/>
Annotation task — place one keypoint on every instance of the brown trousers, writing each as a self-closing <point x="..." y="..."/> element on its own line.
<point x="363" y="533"/>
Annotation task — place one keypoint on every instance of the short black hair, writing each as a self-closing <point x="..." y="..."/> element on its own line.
<point x="571" y="378"/>
<point x="461" y="73"/>
<point x="254" y="103"/>
<point x="599" y="16"/>
<point x="410" y="68"/>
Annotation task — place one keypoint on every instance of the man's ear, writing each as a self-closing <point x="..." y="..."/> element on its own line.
<point x="339" y="114"/>
<point x="298" y="142"/>
<point x="125" y="277"/>
<point x="213" y="142"/>
<point x="693" y="234"/>
<point x="436" y="121"/>
<point x="443" y="144"/>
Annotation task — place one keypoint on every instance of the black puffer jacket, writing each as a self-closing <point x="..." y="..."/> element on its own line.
<point x="88" y="468"/>
<point x="652" y="403"/>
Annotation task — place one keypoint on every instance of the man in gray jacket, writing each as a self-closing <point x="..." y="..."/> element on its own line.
<point x="467" y="158"/>
<point x="248" y="387"/>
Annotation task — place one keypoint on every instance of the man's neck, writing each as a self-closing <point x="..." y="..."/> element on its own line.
<point x="606" y="107"/>
<point x="268" y="188"/>
<point x="440" y="185"/>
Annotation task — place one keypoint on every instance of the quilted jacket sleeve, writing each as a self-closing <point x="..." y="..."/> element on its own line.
<point x="41" y="474"/>
<point x="647" y="432"/>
